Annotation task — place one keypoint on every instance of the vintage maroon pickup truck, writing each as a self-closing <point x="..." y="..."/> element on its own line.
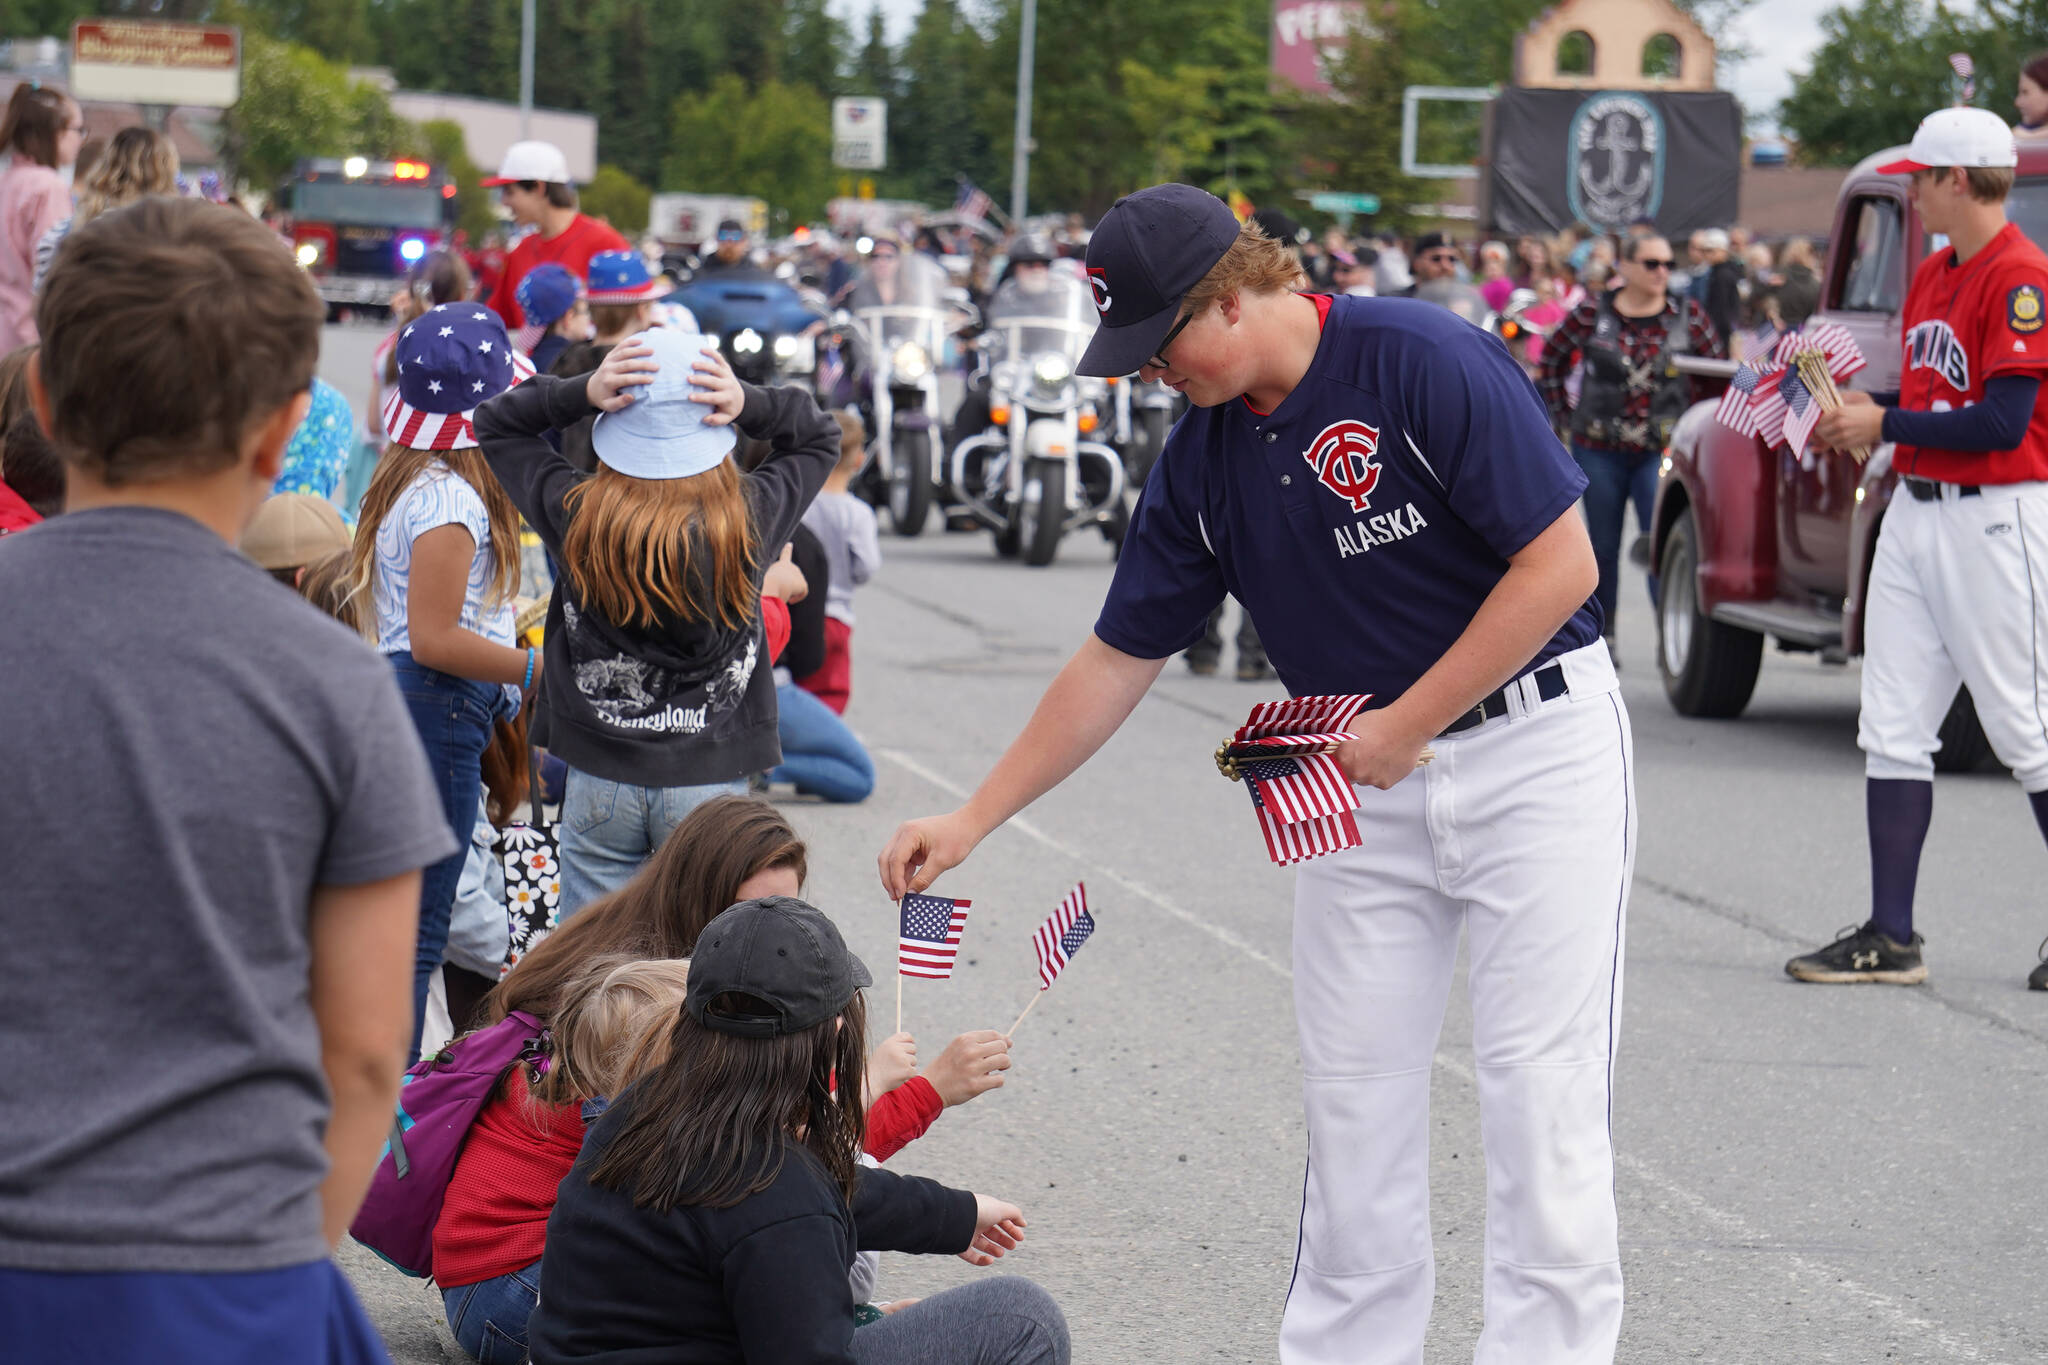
<point x="1752" y="543"/>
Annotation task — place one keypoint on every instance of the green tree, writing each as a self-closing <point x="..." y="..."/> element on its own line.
<point x="295" y="103"/>
<point x="932" y="142"/>
<point x="814" y="43"/>
<point x="442" y="142"/>
<point x="619" y="199"/>
<point x="874" y="70"/>
<point x="773" y="142"/>
<point x="338" y="30"/>
<point x="1353" y="141"/>
<point x="1880" y="68"/>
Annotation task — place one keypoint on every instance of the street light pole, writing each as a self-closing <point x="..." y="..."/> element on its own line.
<point x="526" y="70"/>
<point x="1020" y="161"/>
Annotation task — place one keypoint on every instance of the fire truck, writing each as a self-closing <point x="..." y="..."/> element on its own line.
<point x="359" y="225"/>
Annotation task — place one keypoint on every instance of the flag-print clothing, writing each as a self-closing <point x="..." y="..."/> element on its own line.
<point x="1642" y="342"/>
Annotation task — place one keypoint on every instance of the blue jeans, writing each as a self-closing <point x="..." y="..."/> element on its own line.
<point x="1614" y="479"/>
<point x="610" y="828"/>
<point x="489" y="1318"/>
<point x="819" y="754"/>
<point x="453" y="716"/>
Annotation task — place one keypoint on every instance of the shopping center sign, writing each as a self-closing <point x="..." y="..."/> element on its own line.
<point x="139" y="62"/>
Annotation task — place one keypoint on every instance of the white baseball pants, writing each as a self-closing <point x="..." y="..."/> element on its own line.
<point x="1523" y="831"/>
<point x="1958" y="594"/>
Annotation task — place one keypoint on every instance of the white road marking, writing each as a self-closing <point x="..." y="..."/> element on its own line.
<point x="1732" y="1225"/>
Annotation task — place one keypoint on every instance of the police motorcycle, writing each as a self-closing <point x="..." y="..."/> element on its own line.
<point x="897" y="322"/>
<point x="766" y="329"/>
<point x="1039" y="468"/>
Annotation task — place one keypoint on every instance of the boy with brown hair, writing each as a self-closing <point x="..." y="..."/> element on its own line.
<point x="213" y="889"/>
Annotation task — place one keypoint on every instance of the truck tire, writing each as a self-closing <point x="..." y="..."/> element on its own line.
<point x="1709" y="669"/>
<point x="1964" y="748"/>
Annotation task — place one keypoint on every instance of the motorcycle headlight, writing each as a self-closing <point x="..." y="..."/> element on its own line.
<point x="796" y="354"/>
<point x="1051" y="370"/>
<point x="308" y="254"/>
<point x="909" y="363"/>
<point x="747" y="342"/>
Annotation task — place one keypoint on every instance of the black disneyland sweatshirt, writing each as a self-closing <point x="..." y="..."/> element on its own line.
<point x="761" y="1283"/>
<point x="689" y="701"/>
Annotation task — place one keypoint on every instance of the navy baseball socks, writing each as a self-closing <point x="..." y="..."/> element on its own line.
<point x="1886" y="949"/>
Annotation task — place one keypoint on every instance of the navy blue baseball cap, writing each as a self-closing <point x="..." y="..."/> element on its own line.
<point x="546" y="292"/>
<point x="1148" y="251"/>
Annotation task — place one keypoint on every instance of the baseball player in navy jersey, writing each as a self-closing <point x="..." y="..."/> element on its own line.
<point x="1377" y="482"/>
<point x="1957" y="593"/>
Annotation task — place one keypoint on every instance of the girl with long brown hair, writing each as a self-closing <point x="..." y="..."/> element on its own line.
<point x="433" y="569"/>
<point x="42" y="129"/>
<point x="710" y="1216"/>
<point x="661" y="694"/>
<point x="137" y="162"/>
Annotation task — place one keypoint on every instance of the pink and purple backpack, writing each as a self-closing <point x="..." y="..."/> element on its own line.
<point x="438" y="1102"/>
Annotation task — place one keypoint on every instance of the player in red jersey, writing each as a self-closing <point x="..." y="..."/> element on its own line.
<point x="534" y="180"/>
<point x="1953" y="597"/>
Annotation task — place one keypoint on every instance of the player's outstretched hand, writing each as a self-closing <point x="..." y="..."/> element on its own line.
<point x="921" y="850"/>
<point x="998" y="1227"/>
<point x="1384" y="751"/>
<point x="1856" y="425"/>
<point x="893" y="1062"/>
<point x="972" y="1064"/>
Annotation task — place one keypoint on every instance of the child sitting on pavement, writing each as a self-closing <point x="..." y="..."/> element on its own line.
<point x="717" y="1204"/>
<point x="201" y="1074"/>
<point x="845" y="525"/>
<point x="613" y="1024"/>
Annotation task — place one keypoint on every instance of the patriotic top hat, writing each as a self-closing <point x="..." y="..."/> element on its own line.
<point x="621" y="277"/>
<point x="450" y="359"/>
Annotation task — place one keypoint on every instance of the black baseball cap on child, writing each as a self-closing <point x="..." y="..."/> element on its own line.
<point x="1148" y="251"/>
<point x="783" y="952"/>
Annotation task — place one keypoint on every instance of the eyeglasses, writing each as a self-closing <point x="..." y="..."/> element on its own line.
<point x="1158" y="360"/>
<point x="1648" y="264"/>
<point x="1442" y="257"/>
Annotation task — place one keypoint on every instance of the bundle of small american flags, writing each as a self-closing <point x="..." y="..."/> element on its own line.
<point x="1302" y="798"/>
<point x="1778" y="397"/>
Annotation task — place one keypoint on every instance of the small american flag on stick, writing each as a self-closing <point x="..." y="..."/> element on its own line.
<point x="972" y="201"/>
<point x="1966" y="76"/>
<point x="1062" y="934"/>
<point x="1304" y="806"/>
<point x="929" y="936"/>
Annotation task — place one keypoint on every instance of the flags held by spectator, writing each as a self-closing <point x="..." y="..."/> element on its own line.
<point x="1304" y="805"/>
<point x="831" y="369"/>
<point x="1299" y="714"/>
<point x="1061" y="936"/>
<point x="1966" y="76"/>
<point x="928" y="937"/>
<point x="972" y="201"/>
<point x="1832" y="340"/>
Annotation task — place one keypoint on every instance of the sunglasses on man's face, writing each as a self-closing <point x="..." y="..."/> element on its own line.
<point x="1655" y="263"/>
<point x="1442" y="257"/>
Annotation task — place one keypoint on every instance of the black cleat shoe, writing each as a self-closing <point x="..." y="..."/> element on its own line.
<point x="1862" y="954"/>
<point x="2037" y="979"/>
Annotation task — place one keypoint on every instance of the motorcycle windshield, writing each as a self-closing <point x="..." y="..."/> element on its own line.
<point x="1462" y="299"/>
<point x="903" y="300"/>
<point x="1051" y="313"/>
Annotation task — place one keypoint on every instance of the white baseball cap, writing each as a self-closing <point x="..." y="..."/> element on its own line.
<point x="1957" y="137"/>
<point x="542" y="161"/>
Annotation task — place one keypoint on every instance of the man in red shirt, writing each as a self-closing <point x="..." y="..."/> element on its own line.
<point x="1952" y="597"/>
<point x="533" y="180"/>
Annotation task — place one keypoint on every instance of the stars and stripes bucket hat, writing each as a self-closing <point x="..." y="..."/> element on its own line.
<point x="450" y="359"/>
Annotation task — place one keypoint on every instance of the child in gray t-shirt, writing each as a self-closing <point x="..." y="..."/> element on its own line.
<point x="212" y="857"/>
<point x="853" y="549"/>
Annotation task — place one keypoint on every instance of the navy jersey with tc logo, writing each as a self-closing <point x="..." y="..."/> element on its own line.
<point x="1365" y="519"/>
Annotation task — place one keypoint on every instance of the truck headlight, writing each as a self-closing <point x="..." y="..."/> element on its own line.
<point x="308" y="254"/>
<point x="909" y="363"/>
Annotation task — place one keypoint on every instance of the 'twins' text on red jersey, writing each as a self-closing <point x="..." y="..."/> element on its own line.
<point x="1965" y="324"/>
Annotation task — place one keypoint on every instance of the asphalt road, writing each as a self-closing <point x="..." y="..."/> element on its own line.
<point x="1813" y="1174"/>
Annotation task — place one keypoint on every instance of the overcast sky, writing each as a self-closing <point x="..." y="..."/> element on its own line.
<point x="1783" y="32"/>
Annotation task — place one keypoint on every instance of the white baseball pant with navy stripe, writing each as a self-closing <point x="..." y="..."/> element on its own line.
<point x="1958" y="594"/>
<point x="1522" y="832"/>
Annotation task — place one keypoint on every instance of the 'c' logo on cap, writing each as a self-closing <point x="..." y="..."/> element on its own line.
<point x="1098" y="283"/>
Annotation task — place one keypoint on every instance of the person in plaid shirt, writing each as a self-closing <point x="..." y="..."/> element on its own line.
<point x="1630" y="396"/>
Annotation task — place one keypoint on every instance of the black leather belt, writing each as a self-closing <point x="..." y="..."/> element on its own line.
<point x="1549" y="685"/>
<point x="1927" y="490"/>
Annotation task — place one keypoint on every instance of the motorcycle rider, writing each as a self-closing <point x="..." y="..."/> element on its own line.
<point x="731" y="257"/>
<point x="1027" y="276"/>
